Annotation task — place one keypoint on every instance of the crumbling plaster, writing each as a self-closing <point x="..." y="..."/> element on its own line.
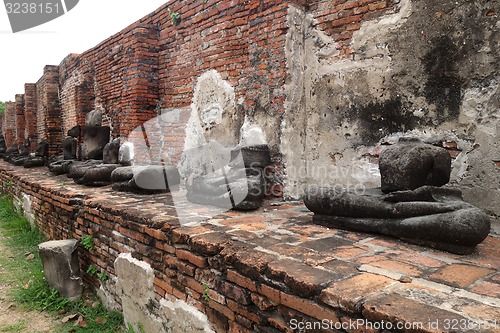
<point x="142" y="311"/>
<point x="430" y="69"/>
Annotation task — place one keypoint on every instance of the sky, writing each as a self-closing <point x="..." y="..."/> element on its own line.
<point x="24" y="54"/>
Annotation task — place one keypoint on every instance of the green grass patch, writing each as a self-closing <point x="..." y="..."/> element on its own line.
<point x="17" y="327"/>
<point x="24" y="272"/>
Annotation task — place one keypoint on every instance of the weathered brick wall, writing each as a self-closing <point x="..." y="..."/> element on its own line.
<point x="49" y="109"/>
<point x="70" y="82"/>
<point x="20" y="119"/>
<point x="118" y="76"/>
<point x="154" y="63"/>
<point x="9" y="123"/>
<point x="30" y="111"/>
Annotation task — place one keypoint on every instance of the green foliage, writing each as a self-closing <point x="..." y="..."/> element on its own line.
<point x="31" y="288"/>
<point x="92" y="270"/>
<point x="2" y="108"/>
<point x="102" y="277"/>
<point x="39" y="296"/>
<point x="206" y="289"/>
<point x="17" y="228"/>
<point x="87" y="242"/>
<point x="175" y="17"/>
<point x="17" y="327"/>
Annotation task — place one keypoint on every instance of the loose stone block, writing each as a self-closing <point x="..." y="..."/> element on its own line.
<point x="61" y="267"/>
<point x="156" y="177"/>
<point x="126" y="153"/>
<point x="75" y="131"/>
<point x="410" y="164"/>
<point x="94" y="140"/>
<point x="94" y="118"/>
<point x="70" y="145"/>
<point x="110" y="152"/>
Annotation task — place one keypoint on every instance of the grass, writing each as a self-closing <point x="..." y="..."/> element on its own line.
<point x="30" y="289"/>
<point x="17" y="327"/>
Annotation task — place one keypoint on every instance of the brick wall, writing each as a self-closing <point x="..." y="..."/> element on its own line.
<point x="49" y="109"/>
<point x="70" y="82"/>
<point x="118" y="76"/>
<point x="154" y="64"/>
<point x="243" y="41"/>
<point x="9" y="123"/>
<point x="20" y="119"/>
<point x="30" y="111"/>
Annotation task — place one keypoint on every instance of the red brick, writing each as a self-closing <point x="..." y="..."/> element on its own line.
<point x="272" y="294"/>
<point x="232" y="291"/>
<point x="228" y="313"/>
<point x="397" y="309"/>
<point x="487" y="289"/>
<point x="309" y="308"/>
<point x="237" y="328"/>
<point x="349" y="293"/>
<point x="192" y="258"/>
<point x="262" y="302"/>
<point x="459" y="275"/>
<point x="301" y="278"/>
<point x="397" y="266"/>
<point x="241" y="280"/>
<point x="244" y="311"/>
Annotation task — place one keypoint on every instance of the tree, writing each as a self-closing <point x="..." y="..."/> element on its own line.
<point x="2" y="107"/>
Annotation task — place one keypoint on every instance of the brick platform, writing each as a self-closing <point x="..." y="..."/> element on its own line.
<point x="271" y="270"/>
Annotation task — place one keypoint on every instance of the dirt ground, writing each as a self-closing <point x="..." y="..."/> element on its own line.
<point x="14" y="319"/>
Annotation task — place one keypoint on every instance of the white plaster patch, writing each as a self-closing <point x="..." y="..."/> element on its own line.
<point x="136" y="290"/>
<point x="28" y="211"/>
<point x="141" y="309"/>
<point x="213" y="101"/>
<point x="185" y="318"/>
<point x="304" y="145"/>
<point x="23" y="204"/>
<point x="477" y="108"/>
<point x="142" y="264"/>
<point x="210" y="130"/>
<point x="251" y="134"/>
<point x="126" y="154"/>
<point x="365" y="35"/>
<point x="107" y="292"/>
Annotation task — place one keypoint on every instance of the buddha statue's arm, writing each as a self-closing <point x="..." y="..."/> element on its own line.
<point x="422" y="208"/>
<point x="426" y="194"/>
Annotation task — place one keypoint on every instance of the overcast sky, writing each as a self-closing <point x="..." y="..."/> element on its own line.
<point x="24" y="54"/>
